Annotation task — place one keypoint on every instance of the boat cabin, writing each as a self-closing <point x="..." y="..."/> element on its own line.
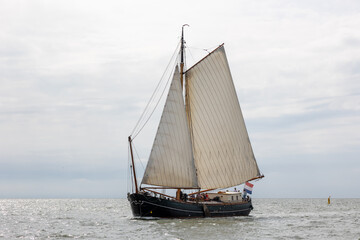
<point x="226" y="196"/>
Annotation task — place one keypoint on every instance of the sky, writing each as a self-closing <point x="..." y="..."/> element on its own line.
<point x="75" y="77"/>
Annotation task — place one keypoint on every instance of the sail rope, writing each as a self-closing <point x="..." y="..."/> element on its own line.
<point x="157" y="103"/>
<point x="139" y="158"/>
<point x="191" y="55"/>
<point x="143" y="119"/>
<point x="208" y="50"/>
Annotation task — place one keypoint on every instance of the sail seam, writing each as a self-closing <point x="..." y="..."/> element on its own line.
<point x="203" y="75"/>
<point x="247" y="140"/>
<point x="222" y="149"/>
<point x="171" y="158"/>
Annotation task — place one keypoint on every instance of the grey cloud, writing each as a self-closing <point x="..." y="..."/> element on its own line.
<point x="74" y="78"/>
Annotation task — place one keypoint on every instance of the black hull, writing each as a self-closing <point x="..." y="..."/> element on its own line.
<point x="147" y="206"/>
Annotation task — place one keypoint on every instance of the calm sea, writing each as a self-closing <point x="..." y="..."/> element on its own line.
<point x="112" y="219"/>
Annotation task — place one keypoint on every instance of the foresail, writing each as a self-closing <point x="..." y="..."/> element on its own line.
<point x="222" y="151"/>
<point x="171" y="161"/>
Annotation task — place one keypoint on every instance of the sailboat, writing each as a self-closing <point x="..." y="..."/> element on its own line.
<point x="201" y="147"/>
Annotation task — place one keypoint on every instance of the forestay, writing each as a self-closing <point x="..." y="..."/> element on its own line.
<point x="171" y="161"/>
<point x="222" y="150"/>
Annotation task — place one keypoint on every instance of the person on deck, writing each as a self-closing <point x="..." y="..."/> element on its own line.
<point x="244" y="195"/>
<point x="198" y="197"/>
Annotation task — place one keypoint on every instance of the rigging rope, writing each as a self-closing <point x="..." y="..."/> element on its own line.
<point x="204" y="49"/>
<point x="167" y="83"/>
<point x="138" y="157"/>
<point x="137" y="129"/>
<point x="192" y="57"/>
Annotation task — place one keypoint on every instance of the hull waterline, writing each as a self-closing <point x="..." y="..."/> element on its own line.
<point x="148" y="206"/>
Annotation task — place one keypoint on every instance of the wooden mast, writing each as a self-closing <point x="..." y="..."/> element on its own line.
<point x="133" y="165"/>
<point x="182" y="49"/>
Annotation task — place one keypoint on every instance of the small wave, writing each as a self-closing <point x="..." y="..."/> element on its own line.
<point x="61" y="235"/>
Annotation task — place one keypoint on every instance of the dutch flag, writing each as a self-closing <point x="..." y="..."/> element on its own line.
<point x="248" y="187"/>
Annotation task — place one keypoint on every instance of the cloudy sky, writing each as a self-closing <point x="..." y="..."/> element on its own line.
<point x="76" y="75"/>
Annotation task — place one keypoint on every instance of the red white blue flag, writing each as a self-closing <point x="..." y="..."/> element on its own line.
<point x="248" y="187"/>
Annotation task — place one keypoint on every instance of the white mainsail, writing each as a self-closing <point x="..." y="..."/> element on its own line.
<point x="208" y="147"/>
<point x="171" y="162"/>
<point x="222" y="151"/>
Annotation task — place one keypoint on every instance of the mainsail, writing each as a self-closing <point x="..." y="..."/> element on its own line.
<point x="208" y="147"/>
<point x="171" y="160"/>
<point x="222" y="150"/>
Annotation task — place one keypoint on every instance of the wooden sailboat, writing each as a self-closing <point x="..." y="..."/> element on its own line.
<point x="201" y="144"/>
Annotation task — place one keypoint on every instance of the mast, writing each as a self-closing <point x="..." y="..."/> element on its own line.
<point x="133" y="165"/>
<point x="182" y="50"/>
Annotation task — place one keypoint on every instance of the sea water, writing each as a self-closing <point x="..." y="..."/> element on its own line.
<point x="112" y="219"/>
